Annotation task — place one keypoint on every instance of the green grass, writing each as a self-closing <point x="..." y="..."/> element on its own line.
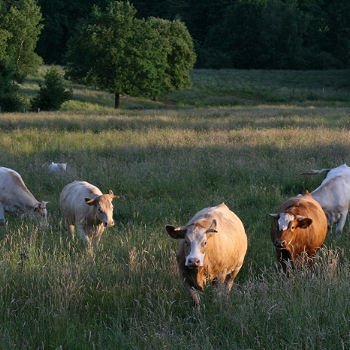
<point x="225" y="87"/>
<point x="253" y="87"/>
<point x="167" y="162"/>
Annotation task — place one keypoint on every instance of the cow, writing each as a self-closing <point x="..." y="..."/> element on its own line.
<point x="16" y="199"/>
<point x="298" y="230"/>
<point x="334" y="194"/>
<point x="212" y="248"/>
<point x="83" y="205"/>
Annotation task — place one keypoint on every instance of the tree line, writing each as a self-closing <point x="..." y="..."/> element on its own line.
<point x="278" y="34"/>
<point x="147" y="48"/>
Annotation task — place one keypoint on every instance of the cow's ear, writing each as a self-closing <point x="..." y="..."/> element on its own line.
<point x="303" y="222"/>
<point x="212" y="228"/>
<point x="114" y="196"/>
<point x="90" y="201"/>
<point x="40" y="206"/>
<point x="176" y="232"/>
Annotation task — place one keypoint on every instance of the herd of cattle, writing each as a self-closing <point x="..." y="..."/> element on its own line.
<point x="213" y="244"/>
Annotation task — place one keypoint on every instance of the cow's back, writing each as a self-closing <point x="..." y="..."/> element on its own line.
<point x="13" y="189"/>
<point x="72" y="199"/>
<point x="334" y="192"/>
<point x="304" y="205"/>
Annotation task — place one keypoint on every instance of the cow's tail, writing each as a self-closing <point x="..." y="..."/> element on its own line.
<point x="316" y="172"/>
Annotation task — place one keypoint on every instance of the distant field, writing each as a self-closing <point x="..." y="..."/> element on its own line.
<point x="226" y="87"/>
<point x="242" y="137"/>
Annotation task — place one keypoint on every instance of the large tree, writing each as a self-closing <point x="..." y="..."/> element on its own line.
<point x="116" y="51"/>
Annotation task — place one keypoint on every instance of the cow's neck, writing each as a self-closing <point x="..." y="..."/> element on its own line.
<point x="25" y="204"/>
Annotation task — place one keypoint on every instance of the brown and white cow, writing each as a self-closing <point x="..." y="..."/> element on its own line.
<point x="298" y="230"/>
<point x="15" y="198"/>
<point x="334" y="194"/>
<point x="212" y="247"/>
<point x="83" y="205"/>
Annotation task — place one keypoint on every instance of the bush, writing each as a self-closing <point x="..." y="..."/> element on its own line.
<point x="52" y="92"/>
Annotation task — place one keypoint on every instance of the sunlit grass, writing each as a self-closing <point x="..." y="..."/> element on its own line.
<point x="166" y="163"/>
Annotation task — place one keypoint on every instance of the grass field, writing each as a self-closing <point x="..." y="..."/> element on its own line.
<point x="242" y="137"/>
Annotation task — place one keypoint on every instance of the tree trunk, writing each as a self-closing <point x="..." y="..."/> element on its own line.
<point x="116" y="100"/>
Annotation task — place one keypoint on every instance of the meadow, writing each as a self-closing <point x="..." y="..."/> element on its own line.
<point x="239" y="137"/>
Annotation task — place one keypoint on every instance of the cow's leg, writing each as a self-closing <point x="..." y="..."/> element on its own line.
<point x="341" y="222"/>
<point x="196" y="300"/>
<point x="84" y="235"/>
<point x="71" y="229"/>
<point x="230" y="278"/>
<point x="2" y="215"/>
<point x="98" y="234"/>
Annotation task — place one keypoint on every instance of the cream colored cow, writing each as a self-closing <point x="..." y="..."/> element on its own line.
<point x="85" y="207"/>
<point x="212" y="247"/>
<point x="15" y="198"/>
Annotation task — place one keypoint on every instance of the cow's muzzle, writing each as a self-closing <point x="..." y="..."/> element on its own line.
<point x="279" y="244"/>
<point x="192" y="263"/>
<point x="108" y="224"/>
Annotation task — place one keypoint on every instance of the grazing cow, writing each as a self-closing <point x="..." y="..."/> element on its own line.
<point x="334" y="194"/>
<point x="15" y="198"/>
<point x="57" y="167"/>
<point x="83" y="205"/>
<point x="298" y="230"/>
<point x="212" y="248"/>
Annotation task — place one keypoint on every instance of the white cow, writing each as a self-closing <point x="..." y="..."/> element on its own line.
<point x="334" y="194"/>
<point x="83" y="205"/>
<point x="15" y="198"/>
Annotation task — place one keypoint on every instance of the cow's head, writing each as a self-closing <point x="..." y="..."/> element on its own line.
<point x="104" y="207"/>
<point x="196" y="236"/>
<point x="40" y="212"/>
<point x="284" y="226"/>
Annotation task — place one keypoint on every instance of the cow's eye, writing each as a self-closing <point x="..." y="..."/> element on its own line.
<point x="100" y="210"/>
<point x="204" y="243"/>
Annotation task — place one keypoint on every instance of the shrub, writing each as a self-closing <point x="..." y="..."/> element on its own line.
<point x="52" y="92"/>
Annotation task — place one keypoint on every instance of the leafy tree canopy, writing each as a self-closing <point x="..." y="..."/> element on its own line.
<point x="180" y="52"/>
<point x="116" y="51"/>
<point x="20" y="27"/>
<point x="19" y="31"/>
<point x="229" y="33"/>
